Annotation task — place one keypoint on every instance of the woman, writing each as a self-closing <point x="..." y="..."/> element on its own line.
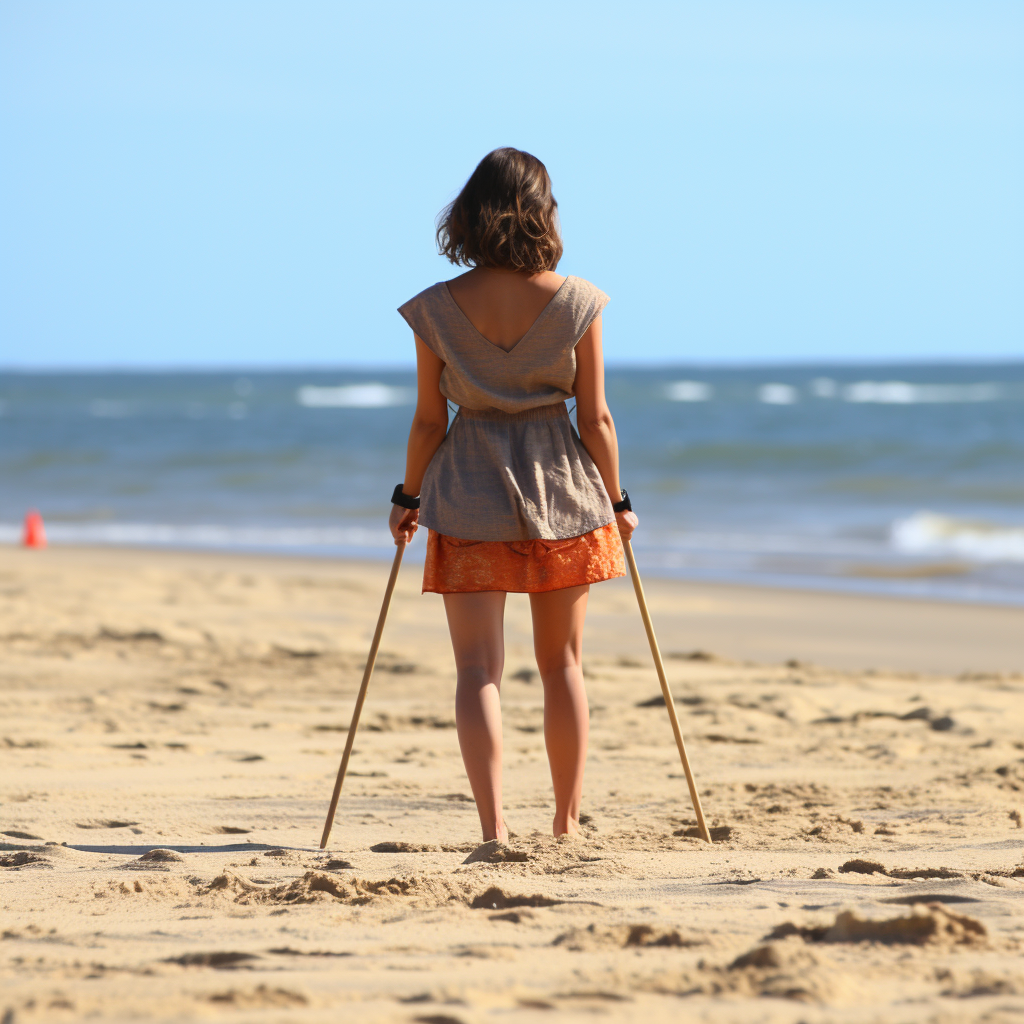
<point x="514" y="499"/>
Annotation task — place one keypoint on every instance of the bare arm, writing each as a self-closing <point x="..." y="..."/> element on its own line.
<point x="429" y="426"/>
<point x="594" y="420"/>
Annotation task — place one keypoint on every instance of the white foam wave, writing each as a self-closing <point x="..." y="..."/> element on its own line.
<point x="205" y="536"/>
<point x="778" y="394"/>
<point x="925" y="533"/>
<point x="689" y="391"/>
<point x="900" y="392"/>
<point x="354" y="396"/>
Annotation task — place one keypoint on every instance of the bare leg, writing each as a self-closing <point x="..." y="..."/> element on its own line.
<point x="558" y="643"/>
<point x="476" y="623"/>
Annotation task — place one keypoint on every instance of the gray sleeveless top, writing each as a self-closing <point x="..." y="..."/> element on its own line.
<point x="511" y="466"/>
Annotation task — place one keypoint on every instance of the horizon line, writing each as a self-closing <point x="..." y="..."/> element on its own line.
<point x="410" y="367"/>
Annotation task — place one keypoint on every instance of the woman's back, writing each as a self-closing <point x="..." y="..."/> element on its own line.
<point x="503" y="305"/>
<point x="537" y="364"/>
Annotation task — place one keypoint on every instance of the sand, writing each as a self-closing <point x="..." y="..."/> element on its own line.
<point x="172" y="724"/>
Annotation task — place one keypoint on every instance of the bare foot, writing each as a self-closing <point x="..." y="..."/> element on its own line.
<point x="568" y="827"/>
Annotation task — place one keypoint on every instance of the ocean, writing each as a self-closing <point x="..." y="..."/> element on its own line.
<point x="890" y="479"/>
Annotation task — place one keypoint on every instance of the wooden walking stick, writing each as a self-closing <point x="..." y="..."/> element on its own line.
<point x="666" y="692"/>
<point x="367" y="672"/>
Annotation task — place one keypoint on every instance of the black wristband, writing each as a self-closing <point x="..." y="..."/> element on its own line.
<point x="624" y="505"/>
<point x="403" y="500"/>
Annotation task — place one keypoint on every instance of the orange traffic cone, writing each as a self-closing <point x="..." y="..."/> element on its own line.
<point x="35" y="533"/>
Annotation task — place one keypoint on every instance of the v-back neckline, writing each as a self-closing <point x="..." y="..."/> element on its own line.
<point x="506" y="351"/>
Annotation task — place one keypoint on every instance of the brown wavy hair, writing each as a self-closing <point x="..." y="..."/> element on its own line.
<point x="505" y="216"/>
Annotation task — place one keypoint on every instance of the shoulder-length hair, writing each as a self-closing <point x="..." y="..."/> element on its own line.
<point x="505" y="216"/>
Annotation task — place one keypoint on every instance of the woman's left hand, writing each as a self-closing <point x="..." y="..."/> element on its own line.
<point x="403" y="522"/>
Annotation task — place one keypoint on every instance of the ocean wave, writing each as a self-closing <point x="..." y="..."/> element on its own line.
<point x="901" y="392"/>
<point x="354" y="396"/>
<point x="206" y="536"/>
<point x="926" y="533"/>
<point x="281" y="537"/>
<point x="778" y="394"/>
<point x="689" y="391"/>
<point x="862" y="392"/>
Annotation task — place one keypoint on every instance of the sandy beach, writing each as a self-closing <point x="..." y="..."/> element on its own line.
<point x="172" y="724"/>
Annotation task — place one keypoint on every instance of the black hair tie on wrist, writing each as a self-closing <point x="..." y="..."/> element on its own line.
<point x="403" y="500"/>
<point x="624" y="505"/>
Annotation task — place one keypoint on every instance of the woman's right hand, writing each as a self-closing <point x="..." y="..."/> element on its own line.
<point x="627" y="522"/>
<point x="403" y="522"/>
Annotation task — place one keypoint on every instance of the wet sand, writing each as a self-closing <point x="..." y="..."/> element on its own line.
<point x="172" y="724"/>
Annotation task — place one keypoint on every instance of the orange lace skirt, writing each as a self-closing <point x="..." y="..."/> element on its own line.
<point x="521" y="566"/>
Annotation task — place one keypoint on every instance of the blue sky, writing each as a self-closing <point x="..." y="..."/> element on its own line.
<point x="255" y="184"/>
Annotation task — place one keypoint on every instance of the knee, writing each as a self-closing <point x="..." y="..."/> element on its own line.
<point x="476" y="676"/>
<point x="555" y="668"/>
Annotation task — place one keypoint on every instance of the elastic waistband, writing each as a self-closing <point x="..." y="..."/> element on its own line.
<point x="542" y="412"/>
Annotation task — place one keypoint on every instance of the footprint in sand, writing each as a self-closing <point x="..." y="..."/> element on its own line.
<point x="288" y="951"/>
<point x="218" y="961"/>
<point x="928" y="897"/>
<point x="316" y="887"/>
<point x="335" y="864"/>
<point x="871" y="867"/>
<point x="623" y="936"/>
<point x="719" y="833"/>
<point x="105" y="823"/>
<point x="497" y="899"/>
<point x="403" y="847"/>
<point x="20" y="859"/>
<point x="260" y="996"/>
<point x="862" y="867"/>
<point x="21" y="835"/>
<point x="928" y="925"/>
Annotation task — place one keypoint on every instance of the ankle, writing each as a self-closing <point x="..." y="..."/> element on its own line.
<point x="565" y="824"/>
<point x="497" y="832"/>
